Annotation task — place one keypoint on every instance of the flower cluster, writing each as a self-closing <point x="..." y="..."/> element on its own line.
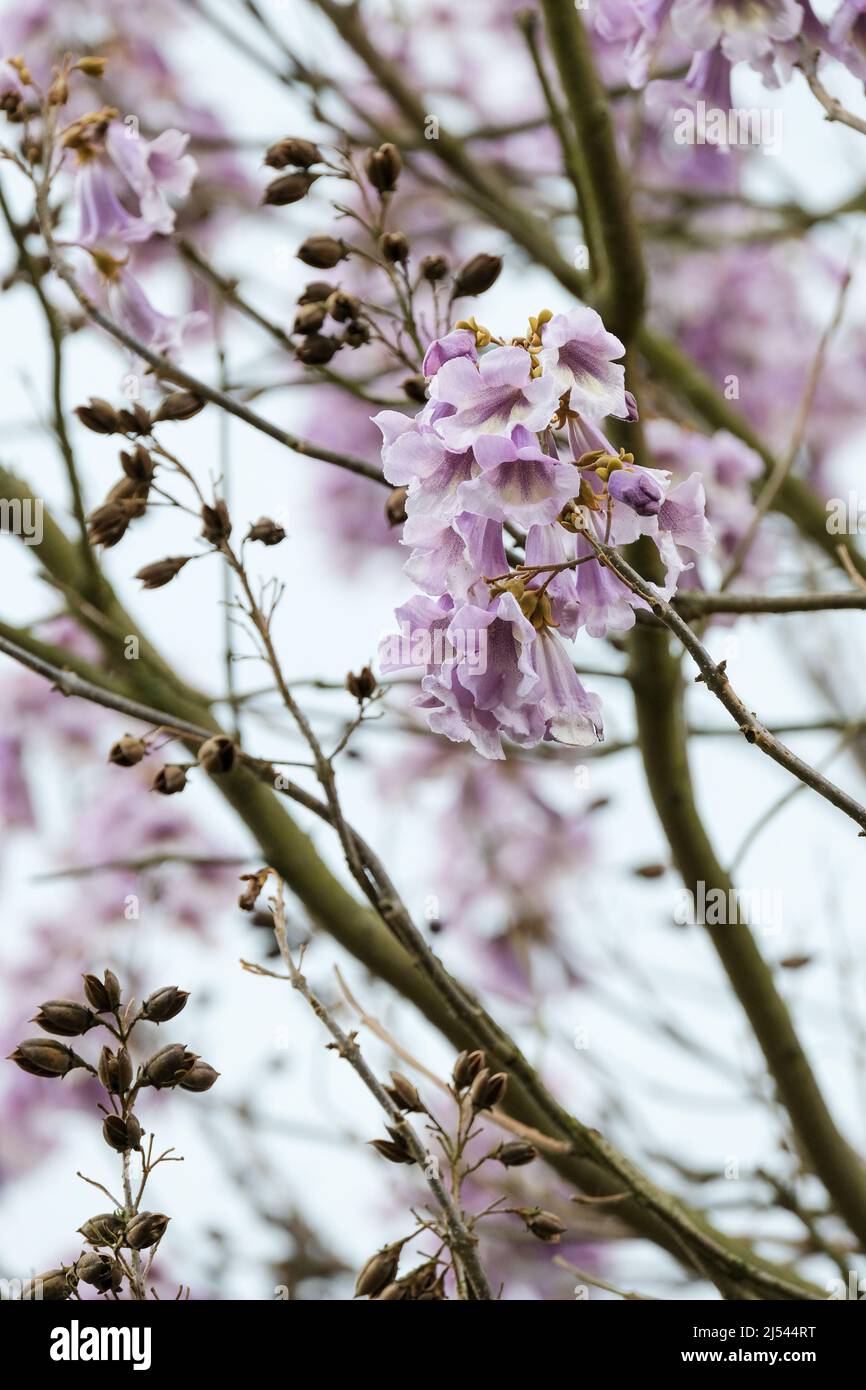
<point x="511" y="442"/>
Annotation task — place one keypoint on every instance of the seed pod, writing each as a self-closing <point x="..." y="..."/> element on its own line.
<point x="395" y="1149"/>
<point x="395" y="507"/>
<point x="179" y="405"/>
<point x="135" y="420"/>
<point x="415" y="387"/>
<point x="161" y="572"/>
<point x="310" y="317"/>
<point x="45" y="1057"/>
<point x="357" y="334"/>
<point x="121" y="1135"/>
<point x="131" y="495"/>
<point x="169" y="1066"/>
<point x="343" y="306"/>
<point x="300" y="153"/>
<point x="107" y="525"/>
<point x="544" y="1225"/>
<point x="115" y="1070"/>
<point x="404" y="1094"/>
<point x="316" y="350"/>
<point x="362" y="685"/>
<point x="383" y="167"/>
<point x="316" y="292"/>
<point x="98" y="415"/>
<point x="65" y="1017"/>
<point x="99" y="1271"/>
<point x="200" y="1077"/>
<point x="217" y="754"/>
<point x="255" y="885"/>
<point x="434" y="268"/>
<point x="467" y="1067"/>
<point x="103" y="1229"/>
<point x="477" y="275"/>
<point x="103" y="995"/>
<point x="145" y="1229"/>
<point x="378" y="1272"/>
<point x="487" y="1089"/>
<point x="392" y="1293"/>
<point x="395" y="247"/>
<point x="217" y="525"/>
<point x="516" y="1153"/>
<point x="51" y="1287"/>
<point x="288" y="188"/>
<point x="169" y="780"/>
<point x="322" y="252"/>
<point x="164" y="1003"/>
<point x="127" y="751"/>
<point x="266" y="531"/>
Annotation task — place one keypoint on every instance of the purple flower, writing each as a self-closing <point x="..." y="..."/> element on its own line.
<point x="134" y="312"/>
<point x="683" y="527"/>
<point x="102" y="219"/>
<point x="460" y="343"/>
<point x="848" y="35"/>
<point x="579" y="353"/>
<point x="636" y="488"/>
<point x="573" y="715"/>
<point x="491" y="398"/>
<point x="153" y="168"/>
<point x="518" y="481"/>
<point x="746" y="29"/>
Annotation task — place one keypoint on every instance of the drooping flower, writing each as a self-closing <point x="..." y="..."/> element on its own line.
<point x="153" y="169"/>
<point x="747" y="30"/>
<point x="133" y="310"/>
<point x="580" y="354"/>
<point x="492" y="397"/>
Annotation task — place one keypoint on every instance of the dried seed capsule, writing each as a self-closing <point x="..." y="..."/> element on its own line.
<point x="395" y="1149"/>
<point x="343" y="306"/>
<point x="145" y="1229"/>
<point x="161" y="572"/>
<point x="135" y="421"/>
<point x="52" y="1287"/>
<point x="169" y="780"/>
<point x="487" y="1089"/>
<point x="127" y="751"/>
<point x="217" y="754"/>
<point x="434" y="268"/>
<point x="404" y="1094"/>
<point x="255" y="886"/>
<point x="357" y="334"/>
<point x="200" y="1077"/>
<point x="316" y="350"/>
<point x="105" y="1228"/>
<point x="300" y="153"/>
<point x="115" y="1070"/>
<point x="99" y="416"/>
<point x="65" y="1017"/>
<point x="477" y="275"/>
<point x="395" y="247"/>
<point x="103" y="995"/>
<point x="383" y="167"/>
<point x="288" y="188"/>
<point x="121" y="1135"/>
<point x="310" y="317"/>
<point x="99" y="1271"/>
<point x="516" y="1153"/>
<point x="378" y="1272"/>
<point x="395" y="507"/>
<point x="415" y="388"/>
<point x="169" y="1066"/>
<point x="544" y="1225"/>
<point x="266" y="531"/>
<point x="164" y="1003"/>
<point x="392" y="1293"/>
<point x="322" y="252"/>
<point x="361" y="686"/>
<point x="108" y="524"/>
<point x="180" y="405"/>
<point x="217" y="525"/>
<point x="316" y="292"/>
<point x="467" y="1067"/>
<point x="45" y="1057"/>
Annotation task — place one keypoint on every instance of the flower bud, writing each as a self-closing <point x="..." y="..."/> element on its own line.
<point x="300" y="153"/>
<point x="516" y="1153"/>
<point x="310" y="317"/>
<point x="405" y="1095"/>
<point x="466" y="1068"/>
<point x="45" y="1057"/>
<point x="98" y="416"/>
<point x="288" y="188"/>
<point x="266" y="531"/>
<point x="383" y="167"/>
<point x="316" y="292"/>
<point x="395" y="247"/>
<point x="169" y="780"/>
<point x="145" y="1229"/>
<point x="343" y="306"/>
<point x="121" y="1135"/>
<point x="200" y="1077"/>
<point x="477" y="275"/>
<point x="487" y="1089"/>
<point x="395" y="507"/>
<point x="103" y="1229"/>
<point x="127" y="751"/>
<point x="91" y="65"/>
<point x="378" y="1272"/>
<point x="316" y="350"/>
<point x="65" y="1017"/>
<point x="362" y="685"/>
<point x="322" y="252"/>
<point x="164" y="1003"/>
<point x="99" y="1271"/>
<point x="544" y="1225"/>
<point x="217" y="525"/>
<point x="115" y="1070"/>
<point x="103" y="995"/>
<point x="161" y="572"/>
<point x="179" y="405"/>
<point x="169" y="1066"/>
<point x="434" y="268"/>
<point x="51" y="1287"/>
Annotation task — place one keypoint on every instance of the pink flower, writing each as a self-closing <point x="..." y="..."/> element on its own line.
<point x="491" y="398"/>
